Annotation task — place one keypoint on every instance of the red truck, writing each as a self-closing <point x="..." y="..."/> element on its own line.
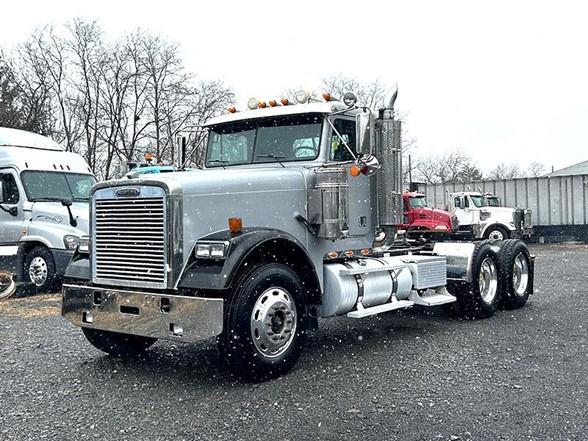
<point x="418" y="218"/>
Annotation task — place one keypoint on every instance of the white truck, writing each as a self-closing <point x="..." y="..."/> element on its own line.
<point x="44" y="194"/>
<point x="484" y="221"/>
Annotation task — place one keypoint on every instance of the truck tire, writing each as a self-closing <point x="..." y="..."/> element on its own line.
<point x="479" y="298"/>
<point x="117" y="344"/>
<point x="263" y="331"/>
<point x="514" y="263"/>
<point x="496" y="232"/>
<point x="39" y="271"/>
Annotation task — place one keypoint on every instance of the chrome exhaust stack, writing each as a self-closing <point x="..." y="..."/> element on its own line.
<point x="389" y="177"/>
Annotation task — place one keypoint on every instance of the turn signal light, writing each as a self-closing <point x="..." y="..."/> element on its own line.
<point x="285" y="101"/>
<point x="273" y="103"/>
<point x="235" y="225"/>
<point x="232" y="109"/>
<point x="354" y="170"/>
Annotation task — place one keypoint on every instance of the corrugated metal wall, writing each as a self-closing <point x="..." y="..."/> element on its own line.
<point x="559" y="200"/>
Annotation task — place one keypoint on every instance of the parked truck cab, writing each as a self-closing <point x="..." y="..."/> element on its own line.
<point x="44" y="195"/>
<point x="293" y="218"/>
<point x="419" y="218"/>
<point x="485" y="221"/>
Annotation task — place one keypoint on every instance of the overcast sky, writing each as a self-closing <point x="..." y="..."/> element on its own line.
<point x="503" y="80"/>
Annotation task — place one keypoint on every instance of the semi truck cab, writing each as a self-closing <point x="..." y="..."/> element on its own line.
<point x="419" y="218"/>
<point x="292" y="219"/>
<point x="486" y="221"/>
<point x="44" y="194"/>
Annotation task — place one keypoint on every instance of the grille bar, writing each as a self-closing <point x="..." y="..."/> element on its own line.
<point x="129" y="241"/>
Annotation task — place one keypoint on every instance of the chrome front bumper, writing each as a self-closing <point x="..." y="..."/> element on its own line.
<point x="170" y="317"/>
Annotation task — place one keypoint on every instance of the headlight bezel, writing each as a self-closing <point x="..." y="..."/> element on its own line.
<point x="211" y="249"/>
<point x="71" y="242"/>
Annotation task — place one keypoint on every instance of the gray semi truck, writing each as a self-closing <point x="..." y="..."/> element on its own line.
<point x="291" y="220"/>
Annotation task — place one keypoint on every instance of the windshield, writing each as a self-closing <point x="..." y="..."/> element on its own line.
<point x="44" y="184"/>
<point x="280" y="139"/>
<point x="478" y="200"/>
<point x="418" y="202"/>
<point x="493" y="201"/>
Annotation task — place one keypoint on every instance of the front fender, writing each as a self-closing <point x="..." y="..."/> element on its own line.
<point x="208" y="274"/>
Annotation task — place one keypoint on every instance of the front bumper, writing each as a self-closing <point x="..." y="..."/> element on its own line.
<point x="170" y="317"/>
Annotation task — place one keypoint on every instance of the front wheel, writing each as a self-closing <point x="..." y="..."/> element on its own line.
<point x="117" y="344"/>
<point x="39" y="270"/>
<point x="496" y="232"/>
<point x="264" y="334"/>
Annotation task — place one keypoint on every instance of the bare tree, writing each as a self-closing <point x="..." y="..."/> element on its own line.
<point x="535" y="169"/>
<point x="506" y="171"/>
<point x="454" y="166"/>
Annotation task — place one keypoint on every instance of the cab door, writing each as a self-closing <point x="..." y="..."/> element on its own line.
<point x="358" y="196"/>
<point x="11" y="213"/>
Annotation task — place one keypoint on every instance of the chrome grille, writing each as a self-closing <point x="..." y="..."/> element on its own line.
<point x="129" y="241"/>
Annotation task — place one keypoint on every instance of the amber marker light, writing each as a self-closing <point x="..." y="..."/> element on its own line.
<point x="273" y="103"/>
<point x="232" y="109"/>
<point x="365" y="252"/>
<point x="349" y="253"/>
<point x="262" y="105"/>
<point x="285" y="101"/>
<point x="333" y="255"/>
<point x="235" y="225"/>
<point x="354" y="170"/>
<point x="327" y="96"/>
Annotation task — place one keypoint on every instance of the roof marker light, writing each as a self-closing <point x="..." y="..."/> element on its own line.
<point x="262" y="105"/>
<point x="273" y="103"/>
<point x="285" y="101"/>
<point x="327" y="96"/>
<point x="232" y="109"/>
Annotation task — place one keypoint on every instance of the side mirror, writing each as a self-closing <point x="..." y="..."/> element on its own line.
<point x="1" y="192"/>
<point x="365" y="130"/>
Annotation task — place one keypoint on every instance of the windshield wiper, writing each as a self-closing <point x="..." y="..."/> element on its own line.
<point x="271" y="156"/>
<point x="65" y="202"/>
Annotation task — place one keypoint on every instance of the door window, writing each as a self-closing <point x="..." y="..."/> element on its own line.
<point x="9" y="188"/>
<point x="346" y="129"/>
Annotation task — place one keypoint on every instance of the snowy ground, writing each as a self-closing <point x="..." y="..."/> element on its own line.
<point x="414" y="375"/>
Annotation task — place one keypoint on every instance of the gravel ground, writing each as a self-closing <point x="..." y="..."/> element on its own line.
<point x="413" y="375"/>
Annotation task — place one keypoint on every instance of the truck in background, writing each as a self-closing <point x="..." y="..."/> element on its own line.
<point x="293" y="218"/>
<point x="420" y="219"/>
<point x="44" y="193"/>
<point x="482" y="221"/>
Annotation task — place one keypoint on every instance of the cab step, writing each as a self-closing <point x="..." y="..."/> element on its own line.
<point x="373" y="310"/>
<point x="439" y="297"/>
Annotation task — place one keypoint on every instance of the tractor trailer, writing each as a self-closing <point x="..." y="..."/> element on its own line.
<point x="291" y="220"/>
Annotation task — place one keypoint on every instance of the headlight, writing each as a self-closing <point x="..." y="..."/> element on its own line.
<point x="211" y="250"/>
<point x="84" y="245"/>
<point x="71" y="242"/>
<point x="441" y="227"/>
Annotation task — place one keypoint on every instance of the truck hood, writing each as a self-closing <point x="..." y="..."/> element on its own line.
<point x="435" y="214"/>
<point x="232" y="180"/>
<point x="498" y="211"/>
<point x="55" y="216"/>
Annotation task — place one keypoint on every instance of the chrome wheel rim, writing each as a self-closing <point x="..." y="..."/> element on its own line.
<point x="7" y="285"/>
<point x="520" y="274"/>
<point x="273" y="322"/>
<point x="38" y="271"/>
<point x="496" y="235"/>
<point x="488" y="280"/>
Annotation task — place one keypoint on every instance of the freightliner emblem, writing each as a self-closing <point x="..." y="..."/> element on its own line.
<point x="127" y="192"/>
